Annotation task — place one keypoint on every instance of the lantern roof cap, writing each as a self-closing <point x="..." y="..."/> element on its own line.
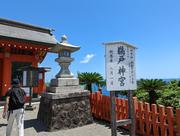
<point x="64" y="45"/>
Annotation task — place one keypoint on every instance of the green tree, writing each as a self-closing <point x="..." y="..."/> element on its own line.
<point x="170" y="96"/>
<point x="151" y="86"/>
<point x="173" y="85"/>
<point x="90" y="77"/>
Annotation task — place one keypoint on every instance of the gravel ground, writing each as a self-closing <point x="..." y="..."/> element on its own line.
<point x="35" y="128"/>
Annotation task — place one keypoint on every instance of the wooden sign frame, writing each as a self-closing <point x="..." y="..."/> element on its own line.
<point x="130" y="121"/>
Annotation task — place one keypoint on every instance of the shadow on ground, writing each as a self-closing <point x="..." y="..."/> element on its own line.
<point x="39" y="126"/>
<point x="36" y="124"/>
<point x="120" y="130"/>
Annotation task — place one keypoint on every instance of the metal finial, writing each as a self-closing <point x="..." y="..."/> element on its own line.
<point x="64" y="39"/>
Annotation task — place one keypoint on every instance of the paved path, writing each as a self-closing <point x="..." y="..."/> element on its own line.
<point x="34" y="128"/>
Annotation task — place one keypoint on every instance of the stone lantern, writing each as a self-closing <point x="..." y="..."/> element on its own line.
<point x="65" y="104"/>
<point x="64" y="78"/>
<point x="64" y="50"/>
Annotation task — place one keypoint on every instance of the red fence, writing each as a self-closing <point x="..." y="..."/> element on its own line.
<point x="154" y="121"/>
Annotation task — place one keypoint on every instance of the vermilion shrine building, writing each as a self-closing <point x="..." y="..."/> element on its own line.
<point x="22" y="45"/>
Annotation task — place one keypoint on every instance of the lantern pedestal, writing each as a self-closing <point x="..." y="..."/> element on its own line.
<point x="65" y="105"/>
<point x="58" y="82"/>
<point x="64" y="63"/>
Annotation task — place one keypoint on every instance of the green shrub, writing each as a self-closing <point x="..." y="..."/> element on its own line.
<point x="141" y="95"/>
<point x="170" y="97"/>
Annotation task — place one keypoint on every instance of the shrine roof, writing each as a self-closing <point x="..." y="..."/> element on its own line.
<point x="17" y="30"/>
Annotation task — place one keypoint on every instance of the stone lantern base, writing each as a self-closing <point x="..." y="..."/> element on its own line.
<point x="65" y="105"/>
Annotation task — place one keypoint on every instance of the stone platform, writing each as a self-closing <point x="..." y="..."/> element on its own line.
<point x="65" y="105"/>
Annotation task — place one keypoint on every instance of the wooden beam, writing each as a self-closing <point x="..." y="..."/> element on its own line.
<point x="21" y="44"/>
<point x="123" y="122"/>
<point x="23" y="58"/>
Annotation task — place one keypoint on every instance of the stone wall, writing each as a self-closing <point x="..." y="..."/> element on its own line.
<point x="65" y="112"/>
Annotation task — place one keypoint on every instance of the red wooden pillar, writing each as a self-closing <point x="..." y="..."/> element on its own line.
<point x="42" y="85"/>
<point x="6" y="75"/>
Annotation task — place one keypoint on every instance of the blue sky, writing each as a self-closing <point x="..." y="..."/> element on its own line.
<point x="151" y="25"/>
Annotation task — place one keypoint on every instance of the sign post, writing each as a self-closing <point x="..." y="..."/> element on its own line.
<point x="120" y="76"/>
<point x="113" y="113"/>
<point x="131" y="113"/>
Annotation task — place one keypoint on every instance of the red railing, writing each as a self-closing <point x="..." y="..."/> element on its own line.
<point x="154" y="121"/>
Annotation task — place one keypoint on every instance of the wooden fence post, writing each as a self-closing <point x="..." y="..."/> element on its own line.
<point x="135" y="102"/>
<point x="178" y="120"/>
<point x="147" y="119"/>
<point x="131" y="113"/>
<point x="141" y="122"/>
<point x="162" y="120"/>
<point x="95" y="105"/>
<point x="102" y="107"/>
<point x="99" y="105"/>
<point x="170" y="119"/>
<point x="126" y="112"/>
<point x="123" y="109"/>
<point x="154" y="120"/>
<point x="117" y="108"/>
<point x="109" y="110"/>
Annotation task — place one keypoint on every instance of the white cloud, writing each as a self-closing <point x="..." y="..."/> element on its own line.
<point x="87" y="58"/>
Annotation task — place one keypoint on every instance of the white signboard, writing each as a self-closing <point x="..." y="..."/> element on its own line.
<point x="120" y="67"/>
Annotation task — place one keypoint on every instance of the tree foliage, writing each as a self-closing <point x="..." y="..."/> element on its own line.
<point x="170" y="96"/>
<point x="167" y="94"/>
<point x="151" y="86"/>
<point x="90" y="77"/>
